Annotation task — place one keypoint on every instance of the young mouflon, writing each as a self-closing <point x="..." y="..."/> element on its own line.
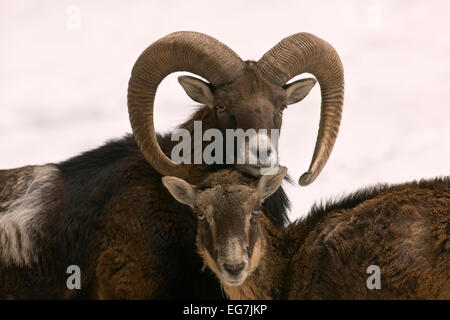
<point x="400" y="231"/>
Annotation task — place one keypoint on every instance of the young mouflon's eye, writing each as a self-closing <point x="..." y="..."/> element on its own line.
<point x="256" y="211"/>
<point x="200" y="216"/>
<point x="220" y="108"/>
<point x="282" y="108"/>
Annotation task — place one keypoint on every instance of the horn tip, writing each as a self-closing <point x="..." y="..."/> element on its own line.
<point x="306" y="179"/>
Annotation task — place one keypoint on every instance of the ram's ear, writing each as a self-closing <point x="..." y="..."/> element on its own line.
<point x="299" y="89"/>
<point x="181" y="190"/>
<point x="199" y="90"/>
<point x="270" y="182"/>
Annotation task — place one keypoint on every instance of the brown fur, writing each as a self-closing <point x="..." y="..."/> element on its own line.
<point x="403" y="229"/>
<point x="109" y="214"/>
<point x="133" y="247"/>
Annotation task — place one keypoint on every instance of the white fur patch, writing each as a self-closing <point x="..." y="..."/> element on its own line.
<point x="234" y="252"/>
<point x="259" y="151"/>
<point x="20" y="218"/>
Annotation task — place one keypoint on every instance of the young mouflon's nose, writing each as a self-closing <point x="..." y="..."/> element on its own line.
<point x="234" y="269"/>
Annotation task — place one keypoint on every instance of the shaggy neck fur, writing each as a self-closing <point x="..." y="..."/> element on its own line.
<point x="207" y="118"/>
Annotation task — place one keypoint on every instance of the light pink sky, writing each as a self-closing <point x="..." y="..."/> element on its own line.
<point x="63" y="88"/>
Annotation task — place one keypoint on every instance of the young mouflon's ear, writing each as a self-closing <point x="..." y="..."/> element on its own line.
<point x="297" y="90"/>
<point x="199" y="90"/>
<point x="181" y="190"/>
<point x="269" y="183"/>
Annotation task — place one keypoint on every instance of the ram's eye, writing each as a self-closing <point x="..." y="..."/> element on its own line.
<point x="220" y="108"/>
<point x="282" y="108"/>
<point x="256" y="211"/>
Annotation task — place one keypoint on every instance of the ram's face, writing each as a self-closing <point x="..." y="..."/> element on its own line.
<point x="249" y="102"/>
<point x="240" y="95"/>
<point x="253" y="107"/>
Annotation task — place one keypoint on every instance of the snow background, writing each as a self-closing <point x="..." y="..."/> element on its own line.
<point x="65" y="65"/>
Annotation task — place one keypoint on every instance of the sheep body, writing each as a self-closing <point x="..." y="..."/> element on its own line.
<point x="401" y="230"/>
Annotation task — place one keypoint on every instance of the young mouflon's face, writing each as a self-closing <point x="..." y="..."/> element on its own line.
<point x="228" y="235"/>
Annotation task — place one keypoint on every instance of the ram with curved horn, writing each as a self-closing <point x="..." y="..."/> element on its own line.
<point x="106" y="210"/>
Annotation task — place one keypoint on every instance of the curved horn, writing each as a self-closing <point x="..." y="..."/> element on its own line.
<point x="304" y="52"/>
<point x="180" y="51"/>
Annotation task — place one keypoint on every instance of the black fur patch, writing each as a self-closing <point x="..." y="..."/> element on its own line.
<point x="91" y="180"/>
<point x="278" y="205"/>
<point x="99" y="169"/>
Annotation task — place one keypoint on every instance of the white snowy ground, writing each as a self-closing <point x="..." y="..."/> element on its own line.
<point x="63" y="88"/>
